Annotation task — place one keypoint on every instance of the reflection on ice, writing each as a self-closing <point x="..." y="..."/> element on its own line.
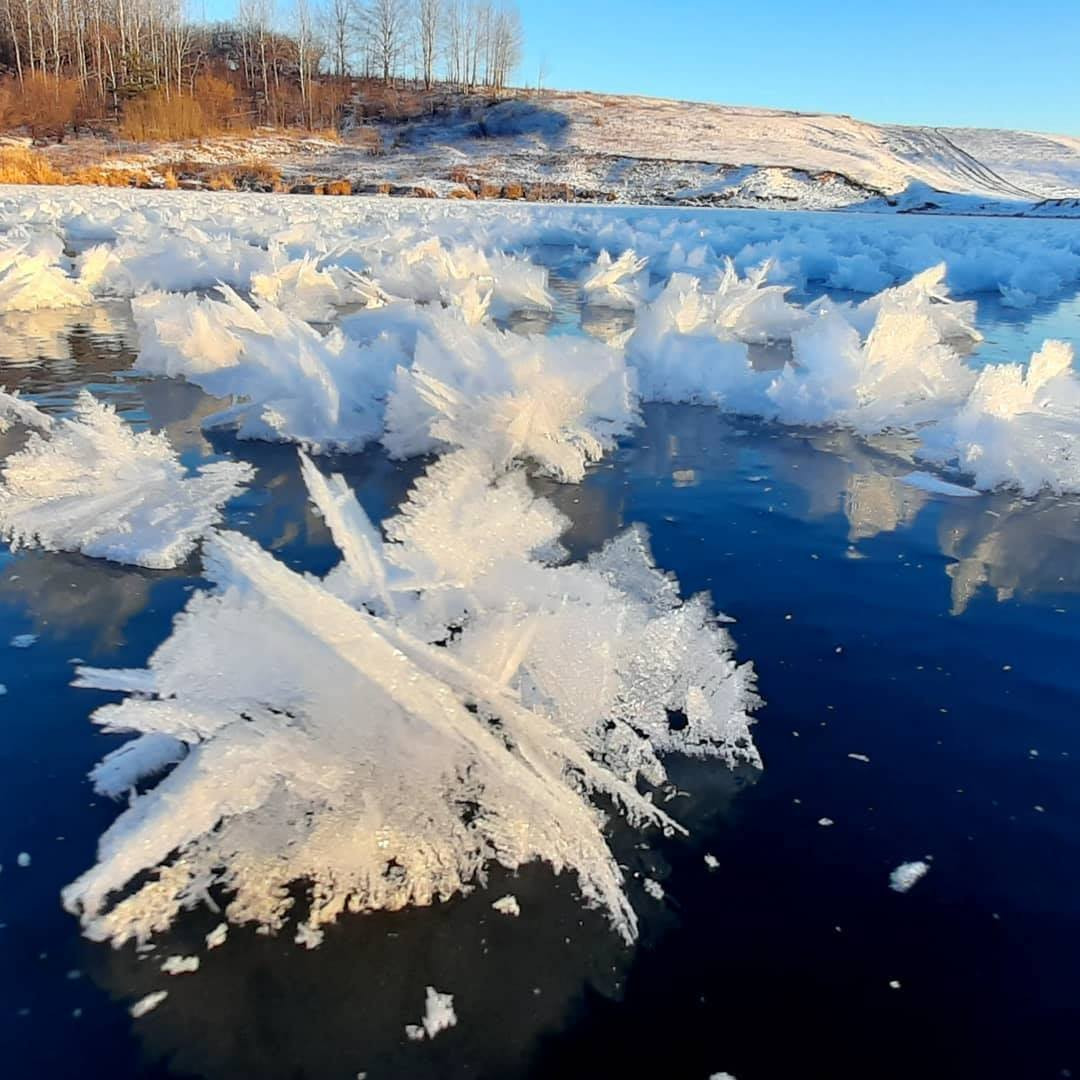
<point x="31" y="337"/>
<point x="65" y="594"/>
<point x="1014" y="547"/>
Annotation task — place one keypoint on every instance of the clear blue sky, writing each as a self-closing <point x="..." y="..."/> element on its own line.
<point x="951" y="62"/>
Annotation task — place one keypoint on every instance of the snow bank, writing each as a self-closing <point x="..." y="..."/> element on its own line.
<point x="92" y="484"/>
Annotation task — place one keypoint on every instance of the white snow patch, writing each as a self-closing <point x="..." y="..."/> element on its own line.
<point x="507" y="905"/>
<point x="180" y="965"/>
<point x="438" y="1016"/>
<point x="907" y="875"/>
<point x="217" y="936"/>
<point x="148" y="1003"/>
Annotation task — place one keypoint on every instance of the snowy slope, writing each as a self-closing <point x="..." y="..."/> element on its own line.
<point x="644" y="150"/>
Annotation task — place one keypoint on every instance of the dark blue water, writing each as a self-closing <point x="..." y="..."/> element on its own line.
<point x="937" y="637"/>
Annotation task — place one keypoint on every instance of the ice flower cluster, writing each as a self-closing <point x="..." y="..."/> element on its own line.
<point x="90" y="483"/>
<point x="447" y="698"/>
<point x="454" y="694"/>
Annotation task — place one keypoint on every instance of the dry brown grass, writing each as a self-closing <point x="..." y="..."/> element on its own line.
<point x="170" y="180"/>
<point x="339" y="187"/>
<point x="327" y="134"/>
<point x="98" y="176"/>
<point x="21" y="165"/>
<point x="461" y="193"/>
<point x="460" y="175"/>
<point x="155" y="116"/>
<point x="222" y="180"/>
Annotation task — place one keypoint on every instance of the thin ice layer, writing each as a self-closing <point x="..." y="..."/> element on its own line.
<point x="90" y="483"/>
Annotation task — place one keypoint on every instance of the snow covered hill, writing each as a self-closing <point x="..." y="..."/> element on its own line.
<point x="596" y="147"/>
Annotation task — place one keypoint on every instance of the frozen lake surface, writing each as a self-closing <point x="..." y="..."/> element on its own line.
<point x="916" y="651"/>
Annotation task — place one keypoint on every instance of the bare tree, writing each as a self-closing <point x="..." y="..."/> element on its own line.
<point x="386" y="30"/>
<point x="429" y="19"/>
<point x="505" y="45"/>
<point x="341" y="27"/>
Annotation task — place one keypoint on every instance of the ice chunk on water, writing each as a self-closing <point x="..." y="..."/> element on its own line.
<point x="304" y="288"/>
<point x="32" y="280"/>
<point x="618" y="283"/>
<point x="431" y="272"/>
<point x="294" y="384"/>
<point x="438" y="1016"/>
<point x="217" y="936"/>
<point x="1019" y="427"/>
<point x="928" y="294"/>
<point x="148" y="1003"/>
<point x="908" y="874"/>
<point x="507" y="905"/>
<point x="559" y="403"/>
<point x="681" y="353"/>
<point x="562" y="683"/>
<point x="180" y="965"/>
<point x="903" y="376"/>
<point x="90" y="483"/>
<point x="173" y="260"/>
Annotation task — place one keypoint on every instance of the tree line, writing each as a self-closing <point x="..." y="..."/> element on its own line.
<point x="148" y="63"/>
